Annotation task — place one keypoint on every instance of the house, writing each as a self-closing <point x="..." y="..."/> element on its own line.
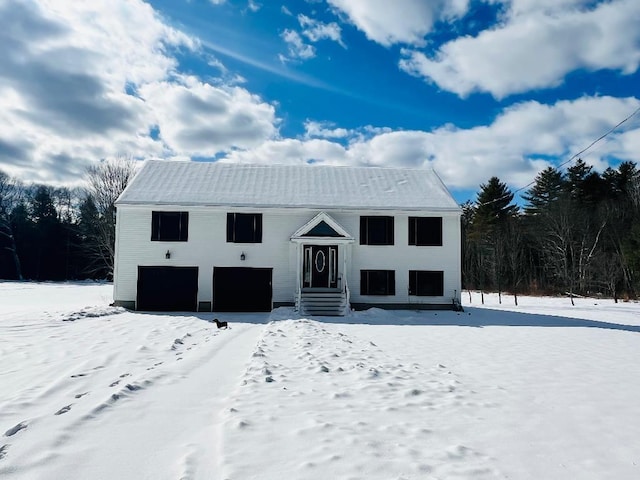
<point x="235" y="237"/>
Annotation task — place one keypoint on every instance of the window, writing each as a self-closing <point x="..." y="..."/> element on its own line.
<point x="425" y="231"/>
<point x="426" y="283"/>
<point x="244" y="227"/>
<point x="169" y="226"/>
<point x="377" y="282"/>
<point x="376" y="230"/>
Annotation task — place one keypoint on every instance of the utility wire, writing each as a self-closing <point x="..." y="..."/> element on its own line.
<point x="602" y="137"/>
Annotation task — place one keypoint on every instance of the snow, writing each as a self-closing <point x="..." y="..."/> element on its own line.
<point x="541" y="390"/>
<point x="192" y="183"/>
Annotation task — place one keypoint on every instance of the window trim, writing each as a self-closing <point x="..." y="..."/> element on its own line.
<point x="365" y="229"/>
<point x="390" y="281"/>
<point x="256" y="236"/>
<point x="156" y="226"/>
<point x="415" y="290"/>
<point x="413" y="231"/>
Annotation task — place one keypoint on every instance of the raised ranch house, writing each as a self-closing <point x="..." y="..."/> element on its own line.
<point x="232" y="237"/>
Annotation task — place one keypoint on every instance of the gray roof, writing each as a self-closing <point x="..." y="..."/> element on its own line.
<point x="162" y="182"/>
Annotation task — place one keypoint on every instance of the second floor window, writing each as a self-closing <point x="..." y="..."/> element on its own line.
<point x="169" y="226"/>
<point x="376" y="230"/>
<point x="244" y="227"/>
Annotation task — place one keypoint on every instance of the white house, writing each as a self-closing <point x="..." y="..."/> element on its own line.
<point x="233" y="237"/>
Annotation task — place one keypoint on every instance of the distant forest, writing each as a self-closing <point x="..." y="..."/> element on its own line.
<point x="577" y="233"/>
<point x="49" y="233"/>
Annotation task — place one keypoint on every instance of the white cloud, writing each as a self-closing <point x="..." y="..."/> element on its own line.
<point x="254" y="6"/>
<point x="514" y="147"/>
<point x="286" y="11"/>
<point x="535" y="47"/>
<point x="315" y="129"/>
<point x="315" y="30"/>
<point x="400" y="21"/>
<point x="298" y="50"/>
<point x="523" y="7"/>
<point x="200" y="119"/>
<point x="292" y="151"/>
<point x="81" y="81"/>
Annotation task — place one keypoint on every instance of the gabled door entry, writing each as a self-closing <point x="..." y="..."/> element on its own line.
<point x="320" y="266"/>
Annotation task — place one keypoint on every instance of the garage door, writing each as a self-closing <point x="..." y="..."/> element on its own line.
<point x="241" y="289"/>
<point x="167" y="289"/>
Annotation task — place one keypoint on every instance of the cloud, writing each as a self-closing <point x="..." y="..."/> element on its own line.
<point x="291" y="151"/>
<point x="315" y="30"/>
<point x="515" y="146"/>
<point x="298" y="50"/>
<point x="315" y="129"/>
<point x="199" y="119"/>
<point x="535" y="47"/>
<point x="401" y="21"/>
<point x="79" y="80"/>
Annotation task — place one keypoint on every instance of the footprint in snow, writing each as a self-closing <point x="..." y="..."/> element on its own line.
<point x="80" y="395"/>
<point x="113" y="384"/>
<point x="79" y="375"/>
<point x="125" y="375"/>
<point x="64" y="409"/>
<point x="3" y="450"/>
<point x="15" y="429"/>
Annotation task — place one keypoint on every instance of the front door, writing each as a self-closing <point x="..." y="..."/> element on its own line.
<point x="320" y="268"/>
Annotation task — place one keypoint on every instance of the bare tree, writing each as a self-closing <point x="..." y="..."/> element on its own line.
<point x="106" y="181"/>
<point x="515" y="253"/>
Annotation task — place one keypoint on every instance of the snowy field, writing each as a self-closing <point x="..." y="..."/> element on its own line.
<point x="540" y="391"/>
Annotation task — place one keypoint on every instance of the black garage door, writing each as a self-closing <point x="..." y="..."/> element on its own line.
<point x="168" y="289"/>
<point x="241" y="289"/>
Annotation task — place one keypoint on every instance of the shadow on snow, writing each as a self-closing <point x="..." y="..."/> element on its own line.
<point x="471" y="317"/>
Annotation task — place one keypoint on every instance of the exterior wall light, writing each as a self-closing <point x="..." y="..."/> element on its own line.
<point x="243" y="256"/>
<point x="167" y="255"/>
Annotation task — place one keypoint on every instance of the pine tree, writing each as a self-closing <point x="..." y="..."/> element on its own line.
<point x="546" y="191"/>
<point x="487" y="234"/>
<point x="494" y="203"/>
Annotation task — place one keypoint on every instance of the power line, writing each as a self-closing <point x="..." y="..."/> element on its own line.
<point x="573" y="157"/>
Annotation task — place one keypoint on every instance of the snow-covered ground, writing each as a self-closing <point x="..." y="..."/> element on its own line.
<point x="539" y="391"/>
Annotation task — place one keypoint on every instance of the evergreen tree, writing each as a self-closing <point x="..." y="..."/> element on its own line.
<point x="546" y="191"/>
<point x="494" y="203"/>
<point x="49" y="249"/>
<point x="487" y="234"/>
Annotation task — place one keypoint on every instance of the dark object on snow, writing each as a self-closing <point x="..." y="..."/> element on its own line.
<point x="220" y="324"/>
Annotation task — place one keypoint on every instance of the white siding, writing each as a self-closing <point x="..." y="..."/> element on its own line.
<point x="207" y="247"/>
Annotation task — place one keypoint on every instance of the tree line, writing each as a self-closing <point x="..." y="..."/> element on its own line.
<point x="51" y="233"/>
<point x="577" y="233"/>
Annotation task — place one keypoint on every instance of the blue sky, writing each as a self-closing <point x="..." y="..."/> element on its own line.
<point x="472" y="88"/>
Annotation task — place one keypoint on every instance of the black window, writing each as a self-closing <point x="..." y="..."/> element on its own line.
<point x="376" y="230"/>
<point x="425" y="231"/>
<point x="377" y="282"/>
<point x="244" y="227"/>
<point x="169" y="226"/>
<point x="425" y="283"/>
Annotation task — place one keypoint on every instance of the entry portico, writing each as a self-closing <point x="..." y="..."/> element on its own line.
<point x="322" y="249"/>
